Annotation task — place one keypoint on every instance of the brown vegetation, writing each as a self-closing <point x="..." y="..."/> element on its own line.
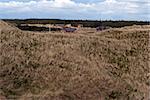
<point x="108" y="65"/>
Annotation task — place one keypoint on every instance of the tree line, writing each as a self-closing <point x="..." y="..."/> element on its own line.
<point x="85" y="23"/>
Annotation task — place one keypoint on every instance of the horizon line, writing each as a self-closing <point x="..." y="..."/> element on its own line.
<point x="72" y="19"/>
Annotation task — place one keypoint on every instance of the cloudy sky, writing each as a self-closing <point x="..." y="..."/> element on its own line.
<point x="76" y="9"/>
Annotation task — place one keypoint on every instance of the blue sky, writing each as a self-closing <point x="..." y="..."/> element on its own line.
<point x="76" y="9"/>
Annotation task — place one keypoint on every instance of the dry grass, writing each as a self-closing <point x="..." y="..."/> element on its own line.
<point x="109" y="65"/>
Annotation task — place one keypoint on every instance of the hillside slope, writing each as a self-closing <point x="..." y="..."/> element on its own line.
<point x="107" y="65"/>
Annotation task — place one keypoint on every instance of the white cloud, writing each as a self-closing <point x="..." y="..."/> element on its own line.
<point x="66" y="8"/>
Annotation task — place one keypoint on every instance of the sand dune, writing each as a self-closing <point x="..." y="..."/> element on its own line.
<point x="108" y="65"/>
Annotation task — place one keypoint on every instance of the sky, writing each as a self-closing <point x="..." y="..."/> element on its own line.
<point x="76" y="9"/>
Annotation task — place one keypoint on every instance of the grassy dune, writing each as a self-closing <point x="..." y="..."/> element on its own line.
<point x="108" y="65"/>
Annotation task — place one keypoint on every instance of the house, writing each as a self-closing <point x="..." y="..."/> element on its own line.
<point x="69" y="29"/>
